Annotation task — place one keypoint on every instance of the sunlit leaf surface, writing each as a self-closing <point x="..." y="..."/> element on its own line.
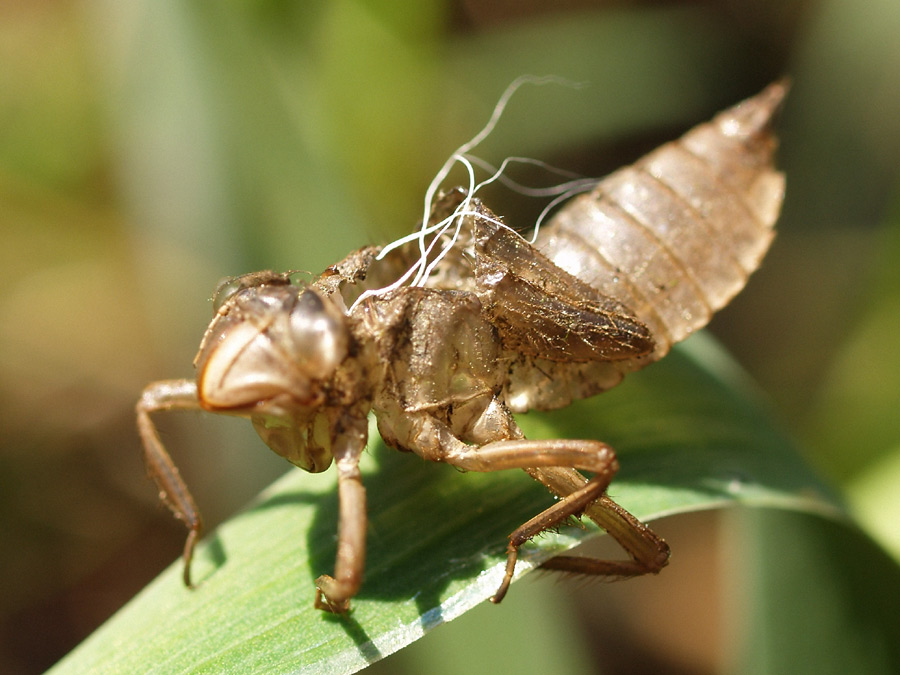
<point x="687" y="441"/>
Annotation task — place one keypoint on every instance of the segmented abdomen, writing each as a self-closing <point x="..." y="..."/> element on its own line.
<point x="676" y="235"/>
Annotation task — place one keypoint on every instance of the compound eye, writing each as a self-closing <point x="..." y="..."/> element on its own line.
<point x="318" y="334"/>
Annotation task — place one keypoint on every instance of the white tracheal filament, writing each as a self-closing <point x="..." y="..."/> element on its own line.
<point x="444" y="234"/>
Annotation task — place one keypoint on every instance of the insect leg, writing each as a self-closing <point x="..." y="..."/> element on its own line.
<point x="333" y="593"/>
<point x="577" y="495"/>
<point x="170" y="395"/>
<point x="572" y="504"/>
<point x="649" y="552"/>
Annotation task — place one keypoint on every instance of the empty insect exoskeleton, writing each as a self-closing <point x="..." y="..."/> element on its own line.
<point x="490" y="325"/>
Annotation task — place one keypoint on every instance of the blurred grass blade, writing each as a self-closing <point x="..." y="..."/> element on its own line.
<point x="690" y="437"/>
<point x="811" y="597"/>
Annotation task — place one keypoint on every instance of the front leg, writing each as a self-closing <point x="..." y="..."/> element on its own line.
<point x="333" y="593"/>
<point x="170" y="395"/>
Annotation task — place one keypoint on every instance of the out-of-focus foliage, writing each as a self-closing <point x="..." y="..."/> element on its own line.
<point x="149" y="148"/>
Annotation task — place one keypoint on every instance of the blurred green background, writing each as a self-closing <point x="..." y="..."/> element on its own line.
<point x="148" y="149"/>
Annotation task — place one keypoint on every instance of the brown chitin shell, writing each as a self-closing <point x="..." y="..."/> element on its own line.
<point x="672" y="237"/>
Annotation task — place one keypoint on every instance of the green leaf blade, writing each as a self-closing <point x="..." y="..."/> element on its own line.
<point x="688" y="438"/>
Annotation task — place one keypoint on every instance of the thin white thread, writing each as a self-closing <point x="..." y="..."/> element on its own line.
<point x="576" y="187"/>
<point x="497" y="174"/>
<point x="422" y="269"/>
